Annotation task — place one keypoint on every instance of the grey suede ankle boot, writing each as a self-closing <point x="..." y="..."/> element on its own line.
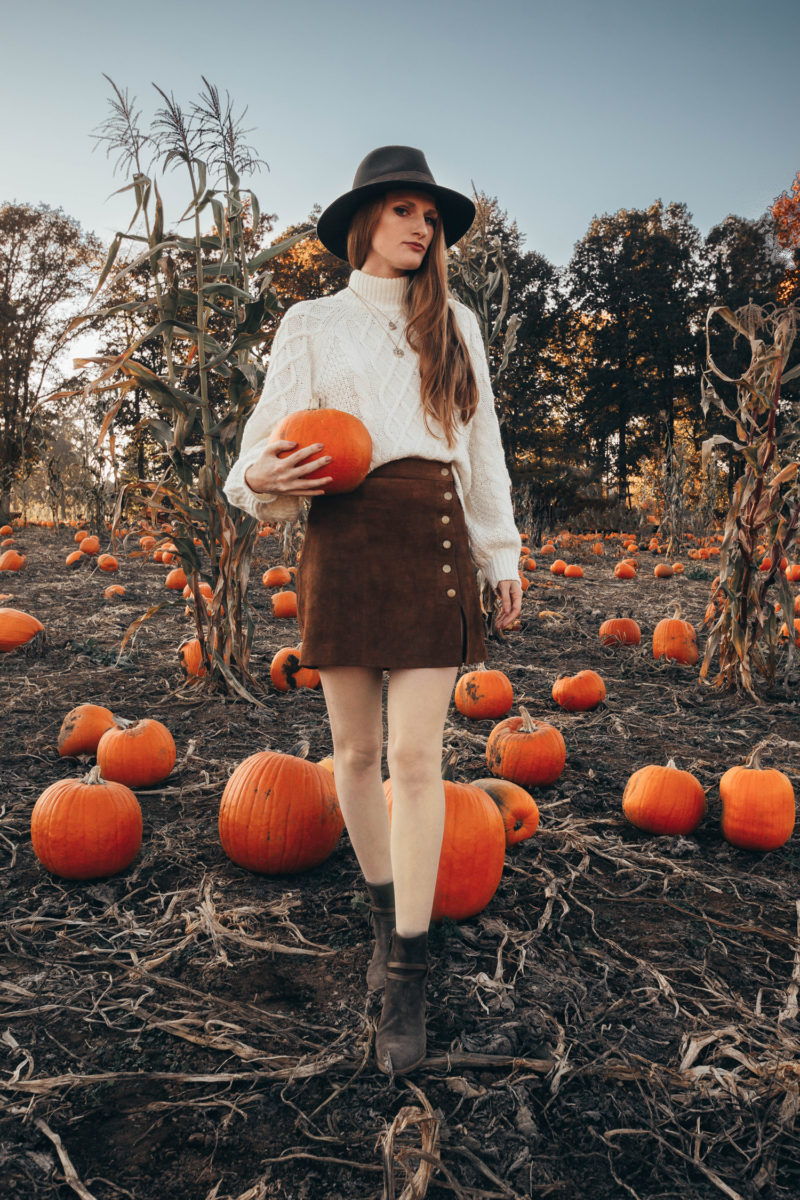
<point x="401" y="1042"/>
<point x="381" y="903"/>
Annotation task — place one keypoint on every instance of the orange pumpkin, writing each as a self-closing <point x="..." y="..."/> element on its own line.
<point x="558" y="567"/>
<point x="107" y="562"/>
<point x="620" y="630"/>
<point x="663" y="571"/>
<point x="138" y="753"/>
<point x="624" y="570"/>
<point x="286" y="673"/>
<point x="473" y="851"/>
<point x="176" y="579"/>
<point x="86" y="829"/>
<point x="284" y="604"/>
<point x="276" y="577"/>
<point x="675" y="639"/>
<point x="90" y="544"/>
<point x="526" y="751"/>
<point x="82" y="729"/>
<point x="483" y="693"/>
<point x="12" y="561"/>
<point x="279" y="814"/>
<point x="758" y="805"/>
<point x="578" y="693"/>
<point x="342" y="435"/>
<point x="17" y="628"/>
<point x="75" y="559"/>
<point x="573" y="571"/>
<point x="113" y="589"/>
<point x="519" y="810"/>
<point x="664" y="800"/>
<point x="190" y="656"/>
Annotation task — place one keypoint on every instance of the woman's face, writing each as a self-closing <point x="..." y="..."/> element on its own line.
<point x="403" y="234"/>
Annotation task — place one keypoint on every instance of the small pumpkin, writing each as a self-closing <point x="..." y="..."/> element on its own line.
<point x="279" y="814"/>
<point x="86" y="828"/>
<point x="663" y="571"/>
<point x="284" y="604"/>
<point x="483" y="693"/>
<point x="17" y="629"/>
<point x="176" y="579"/>
<point x="519" y="810"/>
<point x="82" y="728"/>
<point x="573" y="571"/>
<point x="558" y="567"/>
<point x="526" y="751"/>
<point x="624" y="570"/>
<point x="620" y="631"/>
<point x="286" y="673"/>
<point x="75" y="559"/>
<point x="664" y="800"/>
<point x="758" y="805"/>
<point x="579" y="693"/>
<point x="11" y="560"/>
<point x="136" y="753"/>
<point x="276" y="577"/>
<point x="190" y="656"/>
<point x="675" y="639"/>
<point x="90" y="544"/>
<point x="113" y="589"/>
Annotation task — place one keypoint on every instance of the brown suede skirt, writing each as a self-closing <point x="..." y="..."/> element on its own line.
<point x="386" y="578"/>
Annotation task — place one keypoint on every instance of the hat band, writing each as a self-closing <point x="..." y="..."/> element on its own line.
<point x="393" y="176"/>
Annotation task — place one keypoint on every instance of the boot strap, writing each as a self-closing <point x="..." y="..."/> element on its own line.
<point x="415" y="967"/>
<point x="382" y="912"/>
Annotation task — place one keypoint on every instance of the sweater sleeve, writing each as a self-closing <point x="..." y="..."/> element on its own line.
<point x="488" y="511"/>
<point x="287" y="388"/>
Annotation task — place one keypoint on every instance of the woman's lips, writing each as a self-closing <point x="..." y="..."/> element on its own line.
<point x="414" y="245"/>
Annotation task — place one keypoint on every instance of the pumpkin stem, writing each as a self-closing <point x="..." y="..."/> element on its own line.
<point x="677" y="614"/>
<point x="672" y="764"/>
<point x="528" y="723"/>
<point x="94" y="775"/>
<point x="754" y="761"/>
<point x="449" y="763"/>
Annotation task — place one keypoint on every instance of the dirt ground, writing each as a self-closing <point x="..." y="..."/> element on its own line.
<point x="621" y="1020"/>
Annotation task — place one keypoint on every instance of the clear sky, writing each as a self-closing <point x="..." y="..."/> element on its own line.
<point x="563" y="109"/>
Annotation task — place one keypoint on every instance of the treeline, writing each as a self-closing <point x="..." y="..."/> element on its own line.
<point x="606" y="367"/>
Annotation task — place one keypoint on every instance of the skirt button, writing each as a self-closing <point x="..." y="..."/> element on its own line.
<point x="445" y="471"/>
<point x="447" y="568"/>
<point x="451" y="591"/>
<point x="448" y="495"/>
<point x="445" y="519"/>
<point x="447" y="544"/>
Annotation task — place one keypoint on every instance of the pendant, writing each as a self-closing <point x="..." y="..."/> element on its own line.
<point x="398" y="352"/>
<point x="392" y="325"/>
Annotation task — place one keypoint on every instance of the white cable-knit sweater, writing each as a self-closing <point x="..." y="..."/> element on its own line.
<point x="335" y="353"/>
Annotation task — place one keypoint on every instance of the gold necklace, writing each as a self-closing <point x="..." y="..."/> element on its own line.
<point x="397" y="351"/>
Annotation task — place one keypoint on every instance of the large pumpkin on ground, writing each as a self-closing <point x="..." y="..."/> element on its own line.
<point x="664" y="800"/>
<point x="85" y="829"/>
<point x="758" y="806"/>
<point x="279" y="814"/>
<point x="675" y="639"/>
<point x="473" y="851"/>
<point x="342" y="435"/>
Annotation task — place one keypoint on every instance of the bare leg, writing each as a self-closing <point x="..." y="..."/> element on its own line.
<point x="353" y="698"/>
<point x="417" y="705"/>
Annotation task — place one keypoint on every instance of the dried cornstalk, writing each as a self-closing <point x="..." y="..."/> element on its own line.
<point x="765" y="506"/>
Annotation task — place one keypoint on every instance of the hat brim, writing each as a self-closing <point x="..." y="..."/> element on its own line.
<point x="456" y="211"/>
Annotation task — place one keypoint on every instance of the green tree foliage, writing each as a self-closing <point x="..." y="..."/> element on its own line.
<point x="45" y="263"/>
<point x="633" y="285"/>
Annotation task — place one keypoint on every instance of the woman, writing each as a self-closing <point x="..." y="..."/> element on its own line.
<point x="386" y="579"/>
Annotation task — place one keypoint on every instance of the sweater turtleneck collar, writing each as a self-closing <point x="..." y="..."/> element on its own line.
<point x="382" y="293"/>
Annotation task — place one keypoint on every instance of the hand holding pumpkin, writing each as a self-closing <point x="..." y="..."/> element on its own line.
<point x="271" y="473"/>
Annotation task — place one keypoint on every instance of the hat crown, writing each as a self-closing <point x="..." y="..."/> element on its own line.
<point x="393" y="162"/>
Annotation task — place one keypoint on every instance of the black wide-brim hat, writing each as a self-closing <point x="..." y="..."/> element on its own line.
<point x="389" y="168"/>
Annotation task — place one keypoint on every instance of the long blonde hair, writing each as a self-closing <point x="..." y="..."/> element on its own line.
<point x="447" y="379"/>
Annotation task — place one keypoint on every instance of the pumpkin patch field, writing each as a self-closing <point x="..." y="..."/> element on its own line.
<point x="617" y="1016"/>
